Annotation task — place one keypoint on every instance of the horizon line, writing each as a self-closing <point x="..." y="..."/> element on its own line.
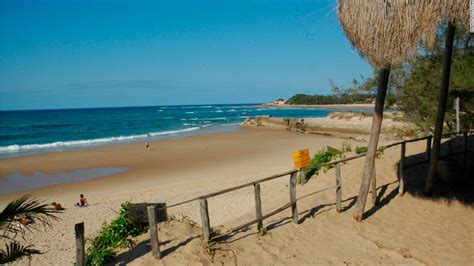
<point x="112" y="107"/>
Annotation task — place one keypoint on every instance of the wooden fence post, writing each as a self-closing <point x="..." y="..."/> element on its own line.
<point x="302" y="177"/>
<point x="155" y="244"/>
<point x="294" y="210"/>
<point x="464" y="158"/>
<point x="258" y="205"/>
<point x="338" y="187"/>
<point x="206" y="228"/>
<point x="401" y="174"/>
<point x="80" y="252"/>
<point x="373" y="184"/>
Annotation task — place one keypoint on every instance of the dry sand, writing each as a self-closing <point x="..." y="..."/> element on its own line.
<point x="400" y="230"/>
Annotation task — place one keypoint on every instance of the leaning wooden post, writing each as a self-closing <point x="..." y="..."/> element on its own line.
<point x="294" y="210"/>
<point x="206" y="227"/>
<point x="428" y="148"/>
<point x="80" y="252"/>
<point x="373" y="185"/>
<point x="464" y="159"/>
<point x="373" y="142"/>
<point x="442" y="99"/>
<point x="338" y="187"/>
<point x="155" y="244"/>
<point x="401" y="170"/>
<point x="258" y="205"/>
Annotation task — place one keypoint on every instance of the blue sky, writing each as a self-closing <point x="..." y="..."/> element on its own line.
<point x="78" y="54"/>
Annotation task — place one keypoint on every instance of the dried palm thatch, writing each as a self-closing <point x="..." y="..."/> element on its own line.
<point x="389" y="32"/>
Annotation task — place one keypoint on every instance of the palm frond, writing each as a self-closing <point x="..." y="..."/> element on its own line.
<point x="14" y="251"/>
<point x="41" y="212"/>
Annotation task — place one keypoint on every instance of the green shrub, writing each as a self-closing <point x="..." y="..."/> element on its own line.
<point x="360" y="149"/>
<point x="117" y="234"/>
<point x="324" y="156"/>
<point x="363" y="149"/>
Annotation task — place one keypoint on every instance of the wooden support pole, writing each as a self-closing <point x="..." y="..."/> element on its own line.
<point x="294" y="210"/>
<point x="464" y="158"/>
<point x="428" y="148"/>
<point x="373" y="185"/>
<point x="338" y="188"/>
<point x="428" y="152"/>
<point x="456" y="107"/>
<point x="401" y="170"/>
<point x="442" y="99"/>
<point x="373" y="142"/>
<point x="206" y="227"/>
<point x="155" y="244"/>
<point x="80" y="251"/>
<point x="258" y="206"/>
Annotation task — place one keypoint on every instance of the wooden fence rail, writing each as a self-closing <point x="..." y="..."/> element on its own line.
<point x="204" y="211"/>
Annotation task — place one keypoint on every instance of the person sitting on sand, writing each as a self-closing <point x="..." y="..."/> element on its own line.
<point x="57" y="206"/>
<point x="25" y="220"/>
<point x="82" y="201"/>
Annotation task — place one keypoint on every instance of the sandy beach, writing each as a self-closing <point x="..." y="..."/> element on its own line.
<point x="400" y="230"/>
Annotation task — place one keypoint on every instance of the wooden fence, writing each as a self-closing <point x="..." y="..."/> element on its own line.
<point x="204" y="210"/>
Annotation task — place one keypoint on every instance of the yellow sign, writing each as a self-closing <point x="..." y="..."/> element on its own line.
<point x="301" y="158"/>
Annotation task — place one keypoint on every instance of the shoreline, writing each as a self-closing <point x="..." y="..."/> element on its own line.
<point x="165" y="158"/>
<point x="20" y="150"/>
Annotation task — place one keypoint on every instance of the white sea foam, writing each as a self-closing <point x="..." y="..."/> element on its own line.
<point x="84" y="143"/>
<point x="189" y="112"/>
<point x="218" y="111"/>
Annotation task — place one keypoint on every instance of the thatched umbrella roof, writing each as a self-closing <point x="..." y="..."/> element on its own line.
<point x="388" y="32"/>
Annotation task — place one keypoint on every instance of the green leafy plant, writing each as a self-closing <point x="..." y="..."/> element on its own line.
<point x="360" y="149"/>
<point x="211" y="247"/>
<point x="262" y="231"/>
<point x="117" y="234"/>
<point x="363" y="149"/>
<point x="324" y="156"/>
<point x="25" y="205"/>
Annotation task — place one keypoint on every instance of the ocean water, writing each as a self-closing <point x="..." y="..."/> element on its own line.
<point x="30" y="132"/>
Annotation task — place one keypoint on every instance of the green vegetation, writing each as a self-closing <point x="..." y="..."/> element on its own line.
<point x="115" y="235"/>
<point x="331" y="99"/>
<point x="323" y="156"/>
<point x="363" y="149"/>
<point x="211" y="245"/>
<point x="420" y="82"/>
<point x="414" y="86"/>
<point x="360" y="149"/>
<point x="262" y="231"/>
<point x="9" y="229"/>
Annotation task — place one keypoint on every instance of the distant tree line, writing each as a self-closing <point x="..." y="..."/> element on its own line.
<point x="331" y="99"/>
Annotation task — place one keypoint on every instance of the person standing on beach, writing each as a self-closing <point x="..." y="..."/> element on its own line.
<point x="147" y="145"/>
